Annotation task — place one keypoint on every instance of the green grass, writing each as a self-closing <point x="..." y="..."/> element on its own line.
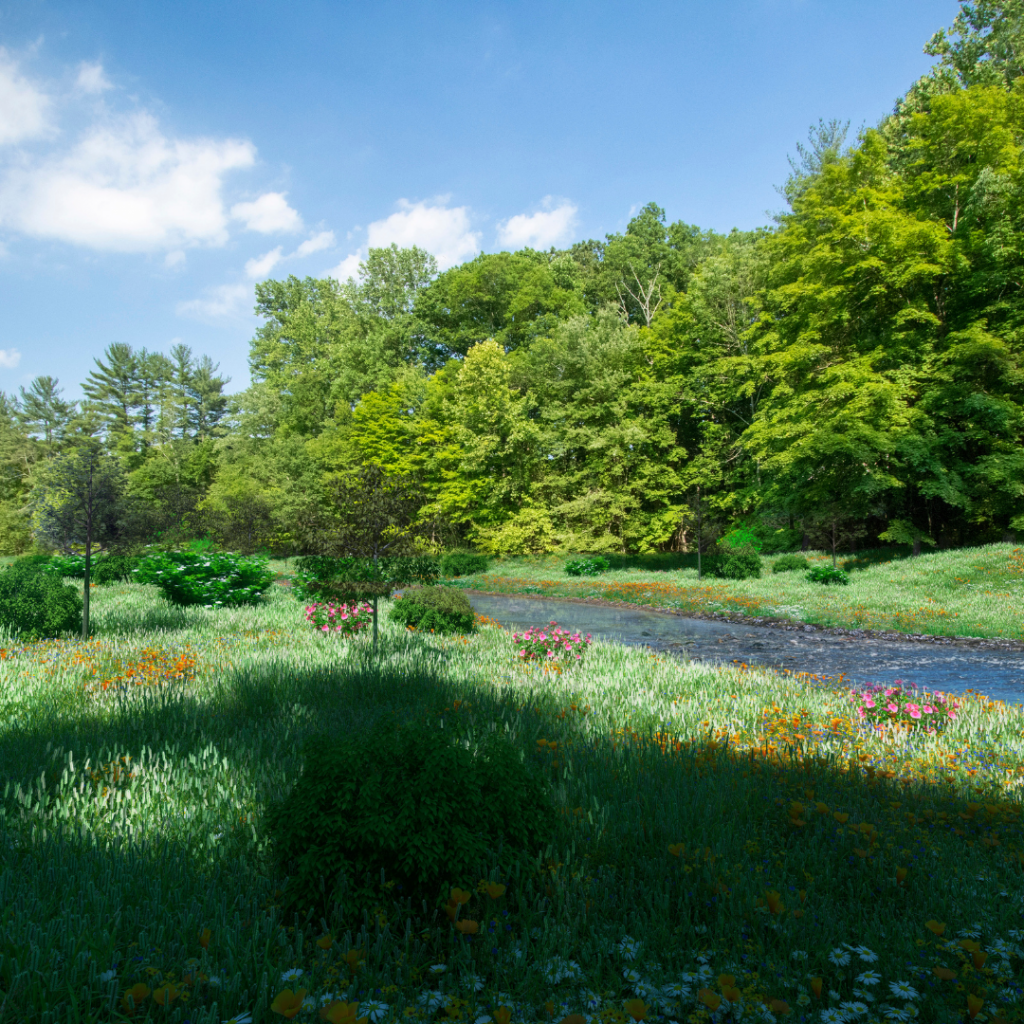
<point x="691" y="845"/>
<point x="977" y="592"/>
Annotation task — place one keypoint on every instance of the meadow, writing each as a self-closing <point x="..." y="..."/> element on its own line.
<point x="732" y="844"/>
<point x="976" y="592"/>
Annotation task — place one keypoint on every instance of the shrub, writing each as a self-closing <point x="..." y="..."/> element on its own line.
<point x="593" y="566"/>
<point x="215" y="580"/>
<point x="828" y="574"/>
<point x="437" y="608"/>
<point x="34" y="605"/>
<point x="66" y="566"/>
<point x="323" y="578"/>
<point x="340" y="619"/>
<point x="114" y="569"/>
<point x="37" y="562"/>
<point x="463" y="563"/>
<point x="742" y="537"/>
<point x="787" y="563"/>
<point x="550" y="645"/>
<point x="888" y="707"/>
<point x="738" y="564"/>
<point x="413" y="799"/>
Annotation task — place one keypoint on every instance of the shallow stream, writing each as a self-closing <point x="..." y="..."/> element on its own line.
<point x="949" y="667"/>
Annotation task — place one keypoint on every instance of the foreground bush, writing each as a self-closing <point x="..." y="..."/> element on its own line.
<point x="325" y="578"/>
<point x="789" y="563"/>
<point x="551" y="645"/>
<point x="463" y="563"/>
<point x="435" y="608"/>
<point x="412" y="800"/>
<point x="587" y="566"/>
<point x="212" y="580"/>
<point x="66" y="566"/>
<point x="34" y="605"/>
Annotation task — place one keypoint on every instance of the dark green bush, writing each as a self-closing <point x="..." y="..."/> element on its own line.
<point x="114" y="569"/>
<point x="438" y="608"/>
<point x="37" y="562"/>
<point x="742" y="563"/>
<point x="34" y="605"/>
<point x="787" y="563"/>
<point x="593" y="566"/>
<point x="463" y="563"/>
<point x="828" y="574"/>
<point x="412" y="799"/>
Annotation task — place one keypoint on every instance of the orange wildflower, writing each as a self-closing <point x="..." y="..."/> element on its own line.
<point x="974" y="1005"/>
<point x="502" y="1015"/>
<point x="339" y="1012"/>
<point x="935" y="927"/>
<point x="325" y="941"/>
<point x="460" y="895"/>
<point x="204" y="938"/>
<point x="636" y="1008"/>
<point x="468" y="927"/>
<point x="495" y="890"/>
<point x="709" y="999"/>
<point x="288" y="1003"/>
<point x="944" y="973"/>
<point x="165" y="995"/>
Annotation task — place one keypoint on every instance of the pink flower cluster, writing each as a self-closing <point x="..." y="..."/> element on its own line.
<point x="347" y="619"/>
<point x="889" y="706"/>
<point x="553" y="644"/>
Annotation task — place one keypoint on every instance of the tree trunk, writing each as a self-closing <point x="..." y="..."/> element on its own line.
<point x="833" y="543"/>
<point x="85" y="587"/>
<point x="917" y="545"/>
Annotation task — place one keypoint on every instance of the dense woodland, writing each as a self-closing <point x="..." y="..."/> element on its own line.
<point x="853" y="370"/>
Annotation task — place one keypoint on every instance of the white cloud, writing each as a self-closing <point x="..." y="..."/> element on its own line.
<point x="549" y="226"/>
<point x="174" y="258"/>
<point x="441" y="230"/>
<point x="23" y="108"/>
<point x="220" y="302"/>
<point x="324" y="240"/>
<point x="268" y="214"/>
<point x="126" y="187"/>
<point x="91" y="78"/>
<point x="348" y="267"/>
<point x="9" y="358"/>
<point x="261" y="266"/>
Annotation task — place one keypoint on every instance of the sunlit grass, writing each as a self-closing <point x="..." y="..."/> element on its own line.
<point x="976" y="592"/>
<point x="716" y="824"/>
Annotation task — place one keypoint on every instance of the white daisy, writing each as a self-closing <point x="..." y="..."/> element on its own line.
<point x="903" y="990"/>
<point x="431" y="1001"/>
<point x="629" y="947"/>
<point x="894" y="1014"/>
<point x="438" y="969"/>
<point x="839" y="957"/>
<point x="327" y="997"/>
<point x="865" y="954"/>
<point x="798" y="954"/>
<point x="676" y="989"/>
<point x="293" y="975"/>
<point x="242" y="1018"/>
<point x="591" y="1000"/>
<point x="374" y="1009"/>
<point x="854" y="1009"/>
<point x="832" y="1017"/>
<point x="869" y="978"/>
<point x="631" y="975"/>
<point x="309" y="1003"/>
<point x="803" y="999"/>
<point x="483" y="1019"/>
<point x="864" y="994"/>
<point x="108" y="975"/>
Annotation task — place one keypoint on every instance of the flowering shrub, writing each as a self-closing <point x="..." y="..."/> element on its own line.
<point x="552" y="644"/>
<point x="216" y="581"/>
<point x="828" y="574"/>
<point x="889" y="706"/>
<point x="346" y="619"/>
<point x="66" y="566"/>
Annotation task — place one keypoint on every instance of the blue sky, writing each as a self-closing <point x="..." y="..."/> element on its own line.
<point x="157" y="159"/>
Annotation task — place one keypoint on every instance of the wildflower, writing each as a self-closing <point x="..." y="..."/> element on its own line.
<point x="375" y="1010"/>
<point x="289" y="1003"/>
<point x="832" y="1017"/>
<point x="816" y="984"/>
<point x="165" y="995"/>
<point x="204" y="938"/>
<point x="798" y="954"/>
<point x="780" y="1006"/>
<point x="460" y="895"/>
<point x="636" y="1008"/>
<point x="135" y="995"/>
<point x="108" y="975"/>
<point x="339" y="1012"/>
<point x="903" y="990"/>
<point x="839" y="957"/>
<point x="325" y="941"/>
<point x="242" y="1018"/>
<point x="936" y="927"/>
<point x="502" y="1015"/>
<point x="869" y="978"/>
<point x="468" y="927"/>
<point x="854" y="1009"/>
<point x="495" y="890"/>
<point x="944" y="973"/>
<point x="293" y="975"/>
<point x="865" y="954"/>
<point x="631" y="975"/>
<point x="710" y="999"/>
<point x="629" y="947"/>
<point x="974" y="1004"/>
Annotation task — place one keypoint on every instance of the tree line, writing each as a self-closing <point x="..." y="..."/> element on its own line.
<point x="848" y="373"/>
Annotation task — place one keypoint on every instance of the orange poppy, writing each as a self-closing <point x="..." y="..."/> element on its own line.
<point x="325" y="941"/>
<point x="709" y="999"/>
<point x="468" y="927"/>
<point x="816" y="984"/>
<point x="636" y="1008"/>
<point x="288" y="1003"/>
<point x="974" y="1005"/>
<point x="495" y="890"/>
<point x="935" y="927"/>
<point x="136" y="994"/>
<point x="339" y="1012"/>
<point x="502" y="1015"/>
<point x="165" y="995"/>
<point x="460" y="895"/>
<point x="944" y="973"/>
<point x="204" y="938"/>
<point x="780" y="1006"/>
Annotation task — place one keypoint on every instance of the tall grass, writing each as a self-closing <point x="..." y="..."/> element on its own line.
<point x="976" y="592"/>
<point x="727" y="837"/>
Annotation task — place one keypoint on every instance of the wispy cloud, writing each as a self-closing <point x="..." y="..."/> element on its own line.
<point x="441" y="230"/>
<point x="92" y="79"/>
<point x="225" y="300"/>
<point x="24" y="108"/>
<point x="9" y="358"/>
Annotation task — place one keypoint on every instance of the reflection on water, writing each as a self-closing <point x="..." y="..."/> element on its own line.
<point x="947" y="668"/>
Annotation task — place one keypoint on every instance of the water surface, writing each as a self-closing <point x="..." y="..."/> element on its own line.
<point x="949" y="668"/>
